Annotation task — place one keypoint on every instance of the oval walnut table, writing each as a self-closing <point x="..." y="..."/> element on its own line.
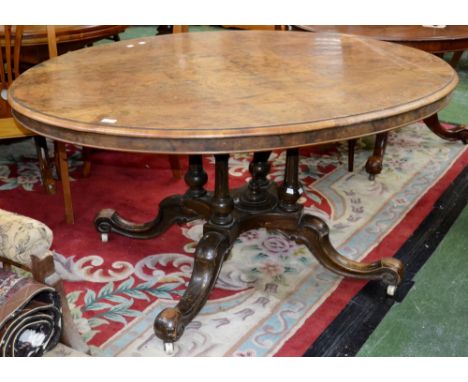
<point x="223" y="92"/>
<point x="432" y="39"/>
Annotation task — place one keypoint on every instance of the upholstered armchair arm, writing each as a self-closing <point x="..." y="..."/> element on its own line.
<point x="20" y="237"/>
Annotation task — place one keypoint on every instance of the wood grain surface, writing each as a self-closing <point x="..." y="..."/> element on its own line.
<point x="230" y="91"/>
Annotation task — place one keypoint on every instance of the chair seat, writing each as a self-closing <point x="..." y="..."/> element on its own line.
<point x="10" y="129"/>
<point x="20" y="237"/>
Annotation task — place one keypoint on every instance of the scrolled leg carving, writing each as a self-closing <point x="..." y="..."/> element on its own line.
<point x="313" y="232"/>
<point x="209" y="257"/>
<point x="171" y="211"/>
<point x="459" y="133"/>
<point x="374" y="164"/>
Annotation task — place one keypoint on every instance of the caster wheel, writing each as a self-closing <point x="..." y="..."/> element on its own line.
<point x="169" y="348"/>
<point x="391" y="289"/>
<point x="104" y="237"/>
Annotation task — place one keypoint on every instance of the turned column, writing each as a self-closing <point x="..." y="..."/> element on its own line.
<point x="196" y="177"/>
<point x="291" y="188"/>
<point x="256" y="196"/>
<point x="222" y="203"/>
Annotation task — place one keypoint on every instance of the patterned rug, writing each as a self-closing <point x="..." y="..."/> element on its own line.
<point x="272" y="297"/>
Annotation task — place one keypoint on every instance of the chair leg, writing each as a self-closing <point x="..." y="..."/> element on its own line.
<point x="43" y="271"/>
<point x="45" y="167"/>
<point x="62" y="170"/>
<point x="175" y="166"/>
<point x="86" y="156"/>
<point x="351" y="146"/>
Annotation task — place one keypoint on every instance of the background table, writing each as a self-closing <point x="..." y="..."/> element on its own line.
<point x="69" y="37"/>
<point x="451" y="38"/>
<point x="222" y="92"/>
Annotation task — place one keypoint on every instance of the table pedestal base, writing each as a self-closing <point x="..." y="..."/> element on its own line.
<point x="261" y="204"/>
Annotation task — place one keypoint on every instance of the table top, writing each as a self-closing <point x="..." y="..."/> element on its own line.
<point x="428" y="38"/>
<point x="230" y="91"/>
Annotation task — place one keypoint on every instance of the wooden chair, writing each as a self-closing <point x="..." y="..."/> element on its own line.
<point x="9" y="128"/>
<point x="25" y="244"/>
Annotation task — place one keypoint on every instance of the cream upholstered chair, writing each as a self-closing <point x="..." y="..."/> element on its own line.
<point x="25" y="244"/>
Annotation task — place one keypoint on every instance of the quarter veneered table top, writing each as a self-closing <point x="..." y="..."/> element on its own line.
<point x="230" y="91"/>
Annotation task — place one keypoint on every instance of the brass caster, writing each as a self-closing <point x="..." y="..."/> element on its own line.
<point x="391" y="289"/>
<point x="169" y="348"/>
<point x="104" y="237"/>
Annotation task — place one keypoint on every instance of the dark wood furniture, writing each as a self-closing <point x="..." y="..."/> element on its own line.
<point x="433" y="39"/>
<point x="223" y="92"/>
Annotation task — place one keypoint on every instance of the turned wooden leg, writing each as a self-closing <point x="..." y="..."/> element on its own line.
<point x="62" y="169"/>
<point x="196" y="177"/>
<point x="209" y="256"/>
<point x="458" y="133"/>
<point x="43" y="270"/>
<point x="45" y="165"/>
<point x="291" y="189"/>
<point x="351" y="147"/>
<point x="256" y="196"/>
<point x="222" y="203"/>
<point x="86" y="156"/>
<point x="375" y="163"/>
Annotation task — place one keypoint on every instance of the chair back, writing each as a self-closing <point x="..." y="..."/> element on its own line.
<point x="10" y="47"/>
<point x="10" y="53"/>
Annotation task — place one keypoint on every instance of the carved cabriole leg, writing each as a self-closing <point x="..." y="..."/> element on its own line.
<point x="209" y="256"/>
<point x="291" y="189"/>
<point x="174" y="209"/>
<point x="351" y="147"/>
<point x="375" y="162"/>
<point x="256" y="198"/>
<point x="45" y="165"/>
<point x="313" y="232"/>
<point x="459" y="133"/>
<point x="213" y="248"/>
